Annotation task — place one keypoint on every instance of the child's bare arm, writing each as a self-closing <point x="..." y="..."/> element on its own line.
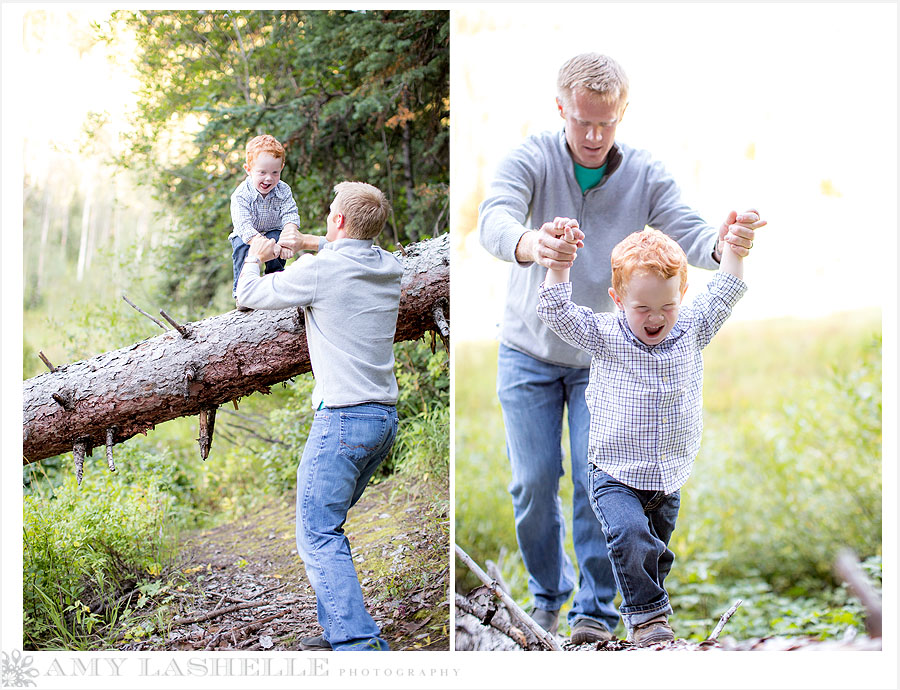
<point x="732" y="262"/>
<point x="561" y="275"/>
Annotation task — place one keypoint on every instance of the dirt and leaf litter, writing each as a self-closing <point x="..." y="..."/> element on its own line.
<point x="241" y="585"/>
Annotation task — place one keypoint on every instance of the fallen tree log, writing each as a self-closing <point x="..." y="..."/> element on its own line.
<point x="114" y="396"/>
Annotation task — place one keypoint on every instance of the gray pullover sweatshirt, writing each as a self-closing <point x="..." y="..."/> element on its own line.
<point x="535" y="184"/>
<point x="350" y="294"/>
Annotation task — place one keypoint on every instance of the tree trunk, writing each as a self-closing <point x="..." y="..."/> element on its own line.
<point x="222" y="358"/>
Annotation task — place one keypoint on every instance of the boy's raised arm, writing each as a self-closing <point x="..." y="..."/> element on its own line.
<point x="732" y="262"/>
<point x="568" y="226"/>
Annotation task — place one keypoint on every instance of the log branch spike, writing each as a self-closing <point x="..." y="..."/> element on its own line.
<point x="440" y="320"/>
<point x="47" y="362"/>
<point x="177" y="326"/>
<point x="141" y="311"/>
<point x="78" y="452"/>
<point x="207" y="424"/>
<point x="64" y="401"/>
<point x="110" y="436"/>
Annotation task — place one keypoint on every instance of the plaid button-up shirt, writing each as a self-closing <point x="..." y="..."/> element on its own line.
<point x="646" y="402"/>
<point x="252" y="213"/>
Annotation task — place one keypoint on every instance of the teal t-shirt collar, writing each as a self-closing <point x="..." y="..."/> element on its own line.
<point x="588" y="177"/>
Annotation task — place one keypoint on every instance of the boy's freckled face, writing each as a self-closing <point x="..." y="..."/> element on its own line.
<point x="264" y="172"/>
<point x="651" y="304"/>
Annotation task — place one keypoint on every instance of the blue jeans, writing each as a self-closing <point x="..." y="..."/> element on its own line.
<point x="533" y="395"/>
<point x="239" y="250"/>
<point x="344" y="448"/>
<point x="638" y="525"/>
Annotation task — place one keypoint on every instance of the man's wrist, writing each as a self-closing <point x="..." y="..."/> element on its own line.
<point x="524" y="251"/>
<point x="253" y="260"/>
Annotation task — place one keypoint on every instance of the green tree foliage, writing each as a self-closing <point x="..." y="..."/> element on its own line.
<point x="358" y="95"/>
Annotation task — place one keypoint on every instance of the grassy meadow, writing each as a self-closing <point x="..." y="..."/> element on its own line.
<point x="788" y="474"/>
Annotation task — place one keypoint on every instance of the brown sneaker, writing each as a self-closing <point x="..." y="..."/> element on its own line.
<point x="588" y="630"/>
<point x="241" y="307"/>
<point x="652" y="632"/>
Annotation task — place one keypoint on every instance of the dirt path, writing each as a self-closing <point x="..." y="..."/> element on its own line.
<point x="242" y="586"/>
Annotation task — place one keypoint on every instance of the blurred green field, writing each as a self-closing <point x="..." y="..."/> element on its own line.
<point x="789" y="472"/>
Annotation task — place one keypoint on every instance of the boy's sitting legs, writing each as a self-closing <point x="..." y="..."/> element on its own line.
<point x="638" y="525"/>
<point x="239" y="250"/>
<point x="344" y="448"/>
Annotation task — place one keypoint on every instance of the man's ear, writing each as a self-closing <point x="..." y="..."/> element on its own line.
<point x="615" y="298"/>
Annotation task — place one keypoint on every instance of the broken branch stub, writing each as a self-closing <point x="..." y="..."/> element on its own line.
<point x="207" y="425"/>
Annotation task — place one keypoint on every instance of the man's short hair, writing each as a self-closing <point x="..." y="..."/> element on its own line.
<point x="264" y="143"/>
<point x="364" y="207"/>
<point x="594" y="72"/>
<point x="647" y="251"/>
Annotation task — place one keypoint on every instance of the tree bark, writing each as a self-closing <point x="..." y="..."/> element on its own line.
<point x="222" y="358"/>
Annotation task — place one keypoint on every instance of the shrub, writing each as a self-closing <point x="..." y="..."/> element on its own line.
<point x="84" y="546"/>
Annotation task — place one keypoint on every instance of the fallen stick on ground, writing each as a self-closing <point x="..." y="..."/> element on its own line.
<point x="723" y="620"/>
<point x="515" y="611"/>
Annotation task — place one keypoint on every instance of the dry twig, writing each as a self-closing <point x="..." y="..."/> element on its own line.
<point x="723" y="620"/>
<point x="515" y="611"/>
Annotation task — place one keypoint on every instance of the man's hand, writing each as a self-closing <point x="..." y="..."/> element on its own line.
<point x="295" y="241"/>
<point x="548" y="246"/>
<point x="291" y="240"/>
<point x="739" y="230"/>
<point x="263" y="249"/>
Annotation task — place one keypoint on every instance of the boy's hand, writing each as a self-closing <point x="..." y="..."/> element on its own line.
<point x="263" y="248"/>
<point x="739" y="231"/>
<point x="284" y="254"/>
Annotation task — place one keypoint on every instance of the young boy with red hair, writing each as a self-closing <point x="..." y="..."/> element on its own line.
<point x="645" y="399"/>
<point x="261" y="205"/>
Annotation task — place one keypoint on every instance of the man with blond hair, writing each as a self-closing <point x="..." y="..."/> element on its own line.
<point x="610" y="190"/>
<point x="350" y="295"/>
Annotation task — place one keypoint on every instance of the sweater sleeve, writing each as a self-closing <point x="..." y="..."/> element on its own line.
<point x="295" y="286"/>
<point x="502" y="215"/>
<point x="669" y="214"/>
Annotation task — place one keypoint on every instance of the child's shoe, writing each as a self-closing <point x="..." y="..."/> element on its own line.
<point x="241" y="307"/>
<point x="652" y="632"/>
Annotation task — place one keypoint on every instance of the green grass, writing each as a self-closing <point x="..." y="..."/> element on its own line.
<point x="789" y="472"/>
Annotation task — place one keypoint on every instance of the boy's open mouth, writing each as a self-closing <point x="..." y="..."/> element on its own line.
<point x="652" y="332"/>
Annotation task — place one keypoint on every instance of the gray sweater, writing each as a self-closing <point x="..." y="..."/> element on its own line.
<point x="350" y="294"/>
<point x="536" y="183"/>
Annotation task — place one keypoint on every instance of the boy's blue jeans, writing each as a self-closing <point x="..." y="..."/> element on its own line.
<point x="638" y="525"/>
<point x="533" y="395"/>
<point x="239" y="250"/>
<point x="344" y="448"/>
